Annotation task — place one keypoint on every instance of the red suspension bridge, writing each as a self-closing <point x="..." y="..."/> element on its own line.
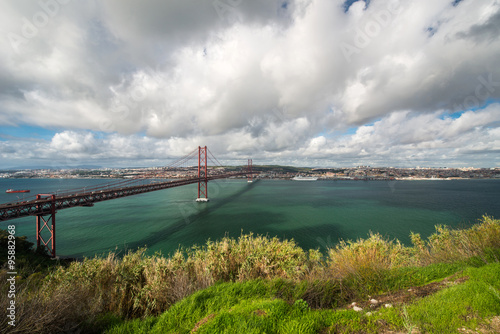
<point x="45" y="206"/>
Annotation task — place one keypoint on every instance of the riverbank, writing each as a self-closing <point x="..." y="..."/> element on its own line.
<point x="269" y="172"/>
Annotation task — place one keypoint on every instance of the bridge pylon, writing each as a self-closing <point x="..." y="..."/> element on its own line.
<point x="202" y="174"/>
<point x="46" y="220"/>
<point x="249" y="170"/>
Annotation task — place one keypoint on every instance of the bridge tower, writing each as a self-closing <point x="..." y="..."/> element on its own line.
<point x="249" y="170"/>
<point x="48" y="223"/>
<point x="202" y="174"/>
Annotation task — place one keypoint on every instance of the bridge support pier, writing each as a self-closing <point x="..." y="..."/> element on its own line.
<point x="202" y="174"/>
<point x="46" y="220"/>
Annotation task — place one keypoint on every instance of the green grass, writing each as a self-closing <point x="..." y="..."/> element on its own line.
<point x="400" y="278"/>
<point x="263" y="306"/>
<point x="250" y="307"/>
<point x="464" y="305"/>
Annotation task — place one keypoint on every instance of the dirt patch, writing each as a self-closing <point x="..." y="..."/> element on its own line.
<point x="202" y="322"/>
<point x="260" y="313"/>
<point x="407" y="295"/>
<point x="492" y="326"/>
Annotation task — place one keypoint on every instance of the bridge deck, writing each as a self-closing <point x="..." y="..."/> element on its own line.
<point x="88" y="198"/>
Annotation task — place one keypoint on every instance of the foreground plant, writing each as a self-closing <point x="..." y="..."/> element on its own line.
<point x="106" y="289"/>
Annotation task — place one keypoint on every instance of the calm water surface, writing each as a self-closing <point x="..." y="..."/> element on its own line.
<point x="315" y="214"/>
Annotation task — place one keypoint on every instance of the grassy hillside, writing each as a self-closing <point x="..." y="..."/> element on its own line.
<point x="260" y="306"/>
<point x="255" y="284"/>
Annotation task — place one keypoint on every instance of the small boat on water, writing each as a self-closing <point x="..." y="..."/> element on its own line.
<point x="10" y="191"/>
<point x="305" y="178"/>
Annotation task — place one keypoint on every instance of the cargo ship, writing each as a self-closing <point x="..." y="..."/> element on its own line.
<point x="10" y="191"/>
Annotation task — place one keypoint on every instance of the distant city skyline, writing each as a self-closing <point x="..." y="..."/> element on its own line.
<point x="314" y="83"/>
<point x="265" y="172"/>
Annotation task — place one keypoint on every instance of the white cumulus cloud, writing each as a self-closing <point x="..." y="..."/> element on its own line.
<point x="294" y="81"/>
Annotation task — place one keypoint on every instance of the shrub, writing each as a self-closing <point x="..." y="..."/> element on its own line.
<point x="138" y="285"/>
<point x="252" y="257"/>
<point x="364" y="263"/>
<point x="448" y="245"/>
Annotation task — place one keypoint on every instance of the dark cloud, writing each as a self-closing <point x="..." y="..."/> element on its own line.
<point x="486" y="32"/>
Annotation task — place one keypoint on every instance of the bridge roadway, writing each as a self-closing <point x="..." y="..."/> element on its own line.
<point x="43" y="206"/>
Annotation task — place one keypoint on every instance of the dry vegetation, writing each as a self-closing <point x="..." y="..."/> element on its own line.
<point x="138" y="286"/>
<point x="447" y="245"/>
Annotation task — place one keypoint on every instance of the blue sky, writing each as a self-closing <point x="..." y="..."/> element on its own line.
<point x="21" y="131"/>
<point x="303" y="82"/>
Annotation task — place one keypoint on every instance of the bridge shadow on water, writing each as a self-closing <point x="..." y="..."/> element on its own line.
<point x="198" y="222"/>
<point x="194" y="228"/>
<point x="192" y="212"/>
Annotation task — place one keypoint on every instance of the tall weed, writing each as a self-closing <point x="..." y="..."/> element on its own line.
<point x="449" y="245"/>
<point x="364" y="263"/>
